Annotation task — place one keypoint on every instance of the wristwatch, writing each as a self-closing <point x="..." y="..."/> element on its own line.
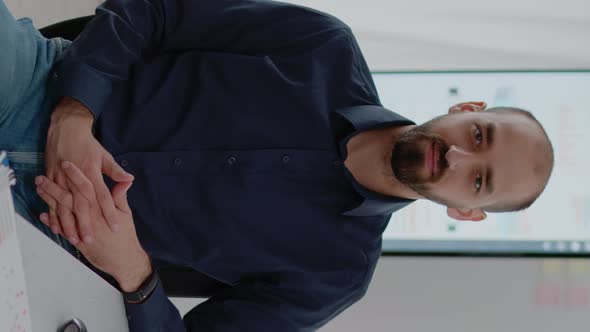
<point x="144" y="291"/>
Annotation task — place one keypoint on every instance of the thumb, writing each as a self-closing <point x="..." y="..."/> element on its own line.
<point x="113" y="170"/>
<point x="119" y="194"/>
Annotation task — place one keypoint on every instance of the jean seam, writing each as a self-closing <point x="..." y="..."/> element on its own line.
<point x="58" y="47"/>
<point x="28" y="158"/>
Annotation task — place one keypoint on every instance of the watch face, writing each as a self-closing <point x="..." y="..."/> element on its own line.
<point x="135" y="297"/>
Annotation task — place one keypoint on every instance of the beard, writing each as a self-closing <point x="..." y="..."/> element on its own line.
<point x="409" y="154"/>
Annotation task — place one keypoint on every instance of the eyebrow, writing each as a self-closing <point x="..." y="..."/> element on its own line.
<point x="491" y="130"/>
<point x="489" y="183"/>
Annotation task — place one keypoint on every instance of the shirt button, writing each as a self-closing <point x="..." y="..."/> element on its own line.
<point x="232" y="160"/>
<point x="336" y="162"/>
<point x="286" y="159"/>
<point x="177" y="161"/>
<point x="124" y="163"/>
<point x="55" y="75"/>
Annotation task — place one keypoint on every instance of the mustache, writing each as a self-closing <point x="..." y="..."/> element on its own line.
<point x="408" y="155"/>
<point x="442" y="163"/>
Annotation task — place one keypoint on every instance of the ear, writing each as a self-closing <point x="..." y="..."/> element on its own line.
<point x="470" y="106"/>
<point x="466" y="214"/>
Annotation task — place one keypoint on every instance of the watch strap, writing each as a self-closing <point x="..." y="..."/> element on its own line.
<point x="144" y="291"/>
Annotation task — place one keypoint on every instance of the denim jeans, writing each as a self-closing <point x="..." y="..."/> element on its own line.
<point x="26" y="102"/>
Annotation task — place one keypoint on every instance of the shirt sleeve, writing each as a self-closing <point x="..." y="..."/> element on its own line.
<point x="124" y="31"/>
<point x="250" y="306"/>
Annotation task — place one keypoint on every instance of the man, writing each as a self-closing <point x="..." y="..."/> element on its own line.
<point x="260" y="156"/>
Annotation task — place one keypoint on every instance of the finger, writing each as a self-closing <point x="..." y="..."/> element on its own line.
<point x="50" y="201"/>
<point x="64" y="216"/>
<point x="120" y="196"/>
<point x="59" y="179"/>
<point x="68" y="223"/>
<point x="44" y="217"/>
<point x="82" y="213"/>
<point x="60" y="211"/>
<point x="50" y="171"/>
<point x="104" y="199"/>
<point x="111" y="169"/>
<point x="65" y="211"/>
<point x="56" y="192"/>
<point x="56" y="228"/>
<point x="76" y="178"/>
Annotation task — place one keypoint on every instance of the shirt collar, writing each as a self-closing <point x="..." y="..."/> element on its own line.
<point x="363" y="118"/>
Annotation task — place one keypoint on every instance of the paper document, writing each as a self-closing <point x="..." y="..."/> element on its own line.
<point x="14" y="305"/>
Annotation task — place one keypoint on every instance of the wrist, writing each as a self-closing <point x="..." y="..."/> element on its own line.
<point x="135" y="275"/>
<point x="71" y="109"/>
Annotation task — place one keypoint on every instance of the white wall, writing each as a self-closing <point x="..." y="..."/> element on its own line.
<point x="465" y="34"/>
<point x="430" y="34"/>
<point x="472" y="294"/>
<point x="424" y="294"/>
<point x="449" y="294"/>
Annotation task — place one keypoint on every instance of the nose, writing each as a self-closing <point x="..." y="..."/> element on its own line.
<point x="457" y="156"/>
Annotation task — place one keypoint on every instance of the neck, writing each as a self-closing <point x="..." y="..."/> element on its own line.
<point x="369" y="161"/>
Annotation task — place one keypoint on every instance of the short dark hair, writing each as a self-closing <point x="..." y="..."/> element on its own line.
<point x="548" y="156"/>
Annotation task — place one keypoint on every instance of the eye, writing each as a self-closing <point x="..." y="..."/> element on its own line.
<point x="478" y="135"/>
<point x="478" y="180"/>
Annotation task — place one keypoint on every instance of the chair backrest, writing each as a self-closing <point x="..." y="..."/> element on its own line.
<point x="186" y="282"/>
<point x="69" y="29"/>
<point x="177" y="281"/>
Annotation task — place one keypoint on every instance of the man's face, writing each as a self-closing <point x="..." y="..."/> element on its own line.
<point x="471" y="159"/>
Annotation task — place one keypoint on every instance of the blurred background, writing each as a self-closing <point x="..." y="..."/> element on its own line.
<point x="428" y="34"/>
<point x="461" y="288"/>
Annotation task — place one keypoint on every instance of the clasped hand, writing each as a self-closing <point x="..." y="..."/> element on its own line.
<point x="80" y="203"/>
<point x="116" y="253"/>
<point x="70" y="138"/>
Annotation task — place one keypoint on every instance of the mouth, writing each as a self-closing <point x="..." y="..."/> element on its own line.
<point x="435" y="156"/>
<point x="431" y="159"/>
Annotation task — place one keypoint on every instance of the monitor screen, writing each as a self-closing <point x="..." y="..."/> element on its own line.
<point x="558" y="223"/>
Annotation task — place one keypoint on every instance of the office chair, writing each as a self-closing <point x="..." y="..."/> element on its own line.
<point x="177" y="281"/>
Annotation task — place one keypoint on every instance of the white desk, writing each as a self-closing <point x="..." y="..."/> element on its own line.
<point x="49" y="286"/>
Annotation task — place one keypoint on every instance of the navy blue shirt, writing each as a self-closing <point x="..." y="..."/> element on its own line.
<point x="233" y="116"/>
